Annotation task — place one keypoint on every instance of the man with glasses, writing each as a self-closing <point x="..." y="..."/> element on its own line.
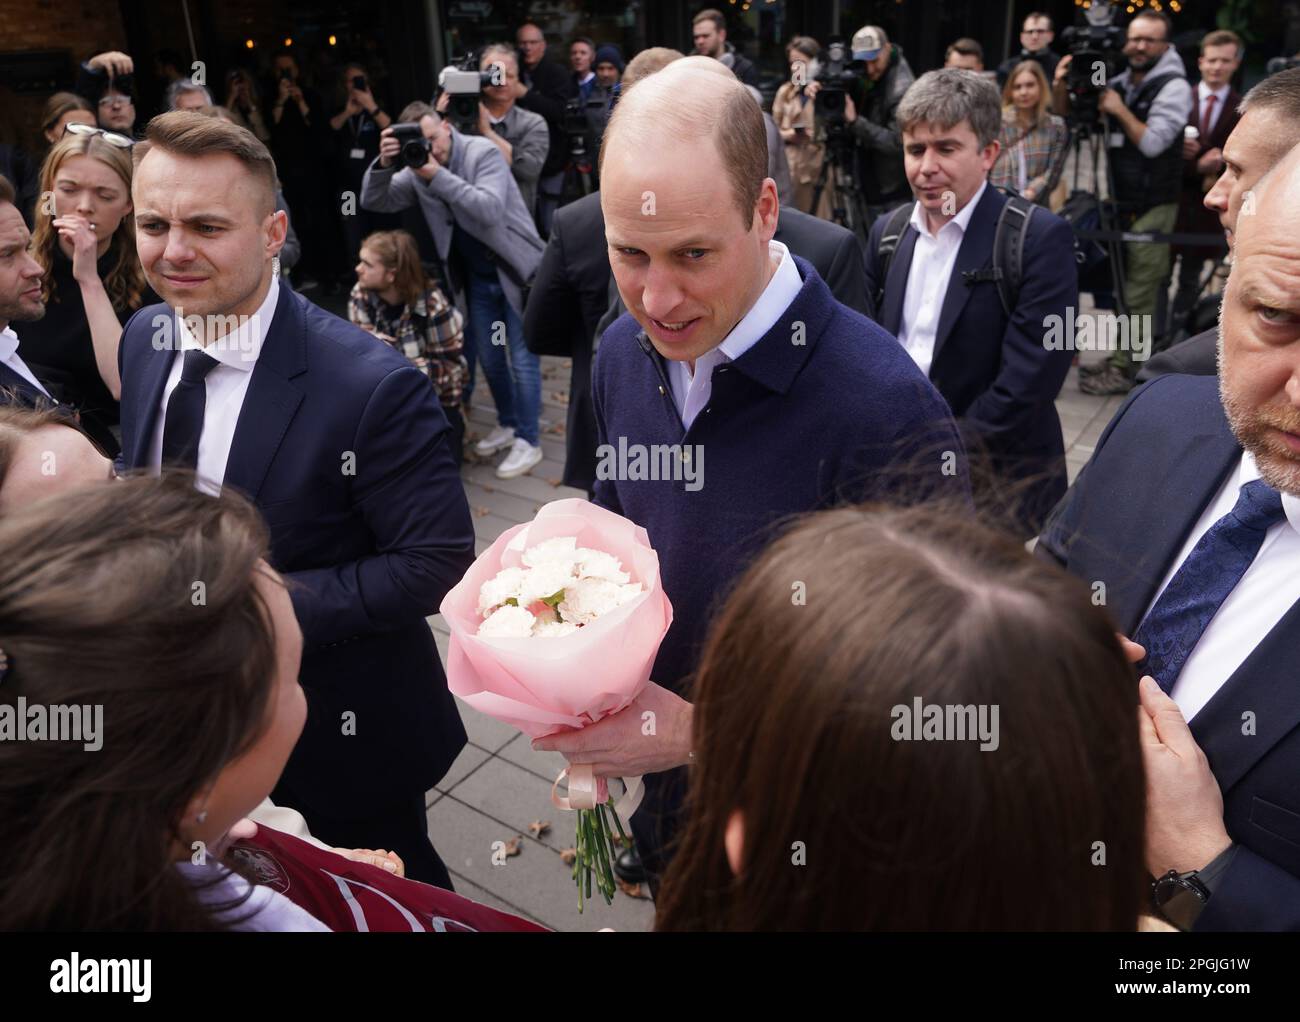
<point x="108" y="80"/>
<point x="1147" y="107"/>
<point x="1036" y="37"/>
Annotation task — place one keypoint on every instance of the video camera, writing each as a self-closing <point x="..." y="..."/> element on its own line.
<point x="1096" y="45"/>
<point x="1277" y="64"/>
<point x="464" y="82"/>
<point x="838" y="73"/>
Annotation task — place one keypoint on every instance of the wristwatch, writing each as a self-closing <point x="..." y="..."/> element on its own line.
<point x="1178" y="898"/>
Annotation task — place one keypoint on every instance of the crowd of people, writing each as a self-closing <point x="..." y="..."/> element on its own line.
<point x="227" y="513"/>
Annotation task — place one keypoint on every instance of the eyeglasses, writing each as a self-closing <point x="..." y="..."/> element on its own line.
<point x="111" y="137"/>
<point x="113" y="99"/>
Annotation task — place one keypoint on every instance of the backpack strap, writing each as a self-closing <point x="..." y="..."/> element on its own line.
<point x="1009" y="249"/>
<point x="895" y="228"/>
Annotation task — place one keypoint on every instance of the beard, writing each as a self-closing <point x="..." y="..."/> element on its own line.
<point x="1278" y="465"/>
<point x="19" y="313"/>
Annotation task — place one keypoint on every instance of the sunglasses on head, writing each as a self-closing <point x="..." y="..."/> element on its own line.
<point x="111" y="137"/>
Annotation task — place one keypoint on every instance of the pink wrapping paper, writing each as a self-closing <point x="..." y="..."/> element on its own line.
<point x="545" y="685"/>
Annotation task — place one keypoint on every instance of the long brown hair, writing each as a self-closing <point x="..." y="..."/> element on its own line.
<point x="97" y="607"/>
<point x="124" y="281"/>
<point x="847" y="828"/>
<point x="398" y="252"/>
<point x="60" y="104"/>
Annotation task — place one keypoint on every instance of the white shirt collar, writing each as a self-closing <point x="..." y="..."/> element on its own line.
<point x="1203" y="91"/>
<point x="764" y="313"/>
<point x="586" y="78"/>
<point x="1249" y="471"/>
<point x="8" y="344"/>
<point x="240" y="347"/>
<point x="962" y="219"/>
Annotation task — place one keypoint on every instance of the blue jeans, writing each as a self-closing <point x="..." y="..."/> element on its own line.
<point x="516" y="382"/>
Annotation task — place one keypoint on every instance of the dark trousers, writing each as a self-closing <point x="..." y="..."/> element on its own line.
<point x="401" y="827"/>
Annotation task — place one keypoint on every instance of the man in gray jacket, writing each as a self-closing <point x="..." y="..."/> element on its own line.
<point x="476" y="214"/>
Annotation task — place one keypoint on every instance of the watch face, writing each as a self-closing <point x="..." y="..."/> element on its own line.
<point x="1179" y="899"/>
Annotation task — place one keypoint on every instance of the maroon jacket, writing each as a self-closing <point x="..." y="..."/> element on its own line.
<point x="1193" y="217"/>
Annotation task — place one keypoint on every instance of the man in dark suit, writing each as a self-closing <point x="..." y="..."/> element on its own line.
<point x="341" y="444"/>
<point x="1214" y="115"/>
<point x="736" y="359"/>
<point x="996" y="369"/>
<point x="1267" y="127"/>
<point x="545" y="88"/>
<point x="20" y="301"/>
<point x="571" y="293"/>
<point x="1186" y="523"/>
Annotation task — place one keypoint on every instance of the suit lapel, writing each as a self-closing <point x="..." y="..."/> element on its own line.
<point x="976" y="250"/>
<point x="1263" y="687"/>
<point x="149" y="398"/>
<point x="1164" y="524"/>
<point x="272" y="399"/>
<point x="15" y="380"/>
<point x="896" y="282"/>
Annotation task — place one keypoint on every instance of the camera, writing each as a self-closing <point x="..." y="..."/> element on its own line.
<point x="464" y="82"/>
<point x="1277" y="64"/>
<point x="286" y="74"/>
<point x="839" y="73"/>
<point x="359" y="82"/>
<point x="416" y="149"/>
<point x="1098" y="43"/>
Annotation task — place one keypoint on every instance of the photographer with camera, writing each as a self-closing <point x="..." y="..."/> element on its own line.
<point x="870" y="85"/>
<point x="108" y="80"/>
<point x="355" y="130"/>
<point x="474" y="210"/>
<point x="488" y="108"/>
<point x="1148" y="106"/>
<point x="1036" y="37"/>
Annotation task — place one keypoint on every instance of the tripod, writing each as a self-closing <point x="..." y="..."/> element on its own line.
<point x="578" y="176"/>
<point x="1091" y="136"/>
<point x="848" y="206"/>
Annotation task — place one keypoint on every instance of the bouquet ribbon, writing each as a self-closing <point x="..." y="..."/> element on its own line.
<point x="586" y="791"/>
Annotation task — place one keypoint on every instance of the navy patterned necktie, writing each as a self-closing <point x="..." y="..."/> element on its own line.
<point x="183" y="424"/>
<point x="1204" y="580"/>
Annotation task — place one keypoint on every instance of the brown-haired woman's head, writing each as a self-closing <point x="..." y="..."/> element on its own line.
<point x="147" y="605"/>
<point x="44" y="452"/>
<point x="827" y="795"/>
<point x="88" y="177"/>
<point x="61" y="109"/>
<point x="390" y="261"/>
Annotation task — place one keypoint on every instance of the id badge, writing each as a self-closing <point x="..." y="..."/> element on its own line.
<point x="358" y="154"/>
<point x="411" y="349"/>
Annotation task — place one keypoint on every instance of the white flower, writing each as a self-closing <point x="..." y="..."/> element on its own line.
<point x="554" y="629"/>
<point x="495" y="591"/>
<point x="629" y="591"/>
<point x="545" y="580"/>
<point x="588" y="598"/>
<point x="598" y="564"/>
<point x="507" y="623"/>
<point x="560" y="549"/>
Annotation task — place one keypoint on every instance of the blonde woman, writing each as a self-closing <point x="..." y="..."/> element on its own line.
<point x="792" y="110"/>
<point x="85" y="241"/>
<point x="1034" y="141"/>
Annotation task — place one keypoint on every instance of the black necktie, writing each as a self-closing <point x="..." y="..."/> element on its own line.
<point x="184" y="423"/>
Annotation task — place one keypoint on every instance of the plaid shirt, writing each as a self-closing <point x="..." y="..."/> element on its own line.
<point x="1045" y="146"/>
<point x="430" y="333"/>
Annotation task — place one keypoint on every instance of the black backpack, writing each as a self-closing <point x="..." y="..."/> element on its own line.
<point x="1007" y="270"/>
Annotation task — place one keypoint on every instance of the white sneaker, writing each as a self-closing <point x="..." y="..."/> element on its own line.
<point x="522" y="457"/>
<point x="501" y="436"/>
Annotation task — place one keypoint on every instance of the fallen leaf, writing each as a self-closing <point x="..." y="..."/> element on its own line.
<point x="539" y="827"/>
<point x="488" y="488"/>
<point x="555" y="482"/>
<point x="568" y="856"/>
<point x="560" y="396"/>
<point x="632" y="890"/>
<point x="512" y="846"/>
<point x="480" y="511"/>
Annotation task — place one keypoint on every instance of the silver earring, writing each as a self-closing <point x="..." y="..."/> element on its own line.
<point x="275" y="266"/>
<point x="201" y="817"/>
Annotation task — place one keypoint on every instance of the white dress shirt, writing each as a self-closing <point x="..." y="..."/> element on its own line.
<point x="1203" y="93"/>
<point x="1265" y="593"/>
<point x="927" y="280"/>
<point x="226" y="386"/>
<point x="691" y="391"/>
<point x="10" y="357"/>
